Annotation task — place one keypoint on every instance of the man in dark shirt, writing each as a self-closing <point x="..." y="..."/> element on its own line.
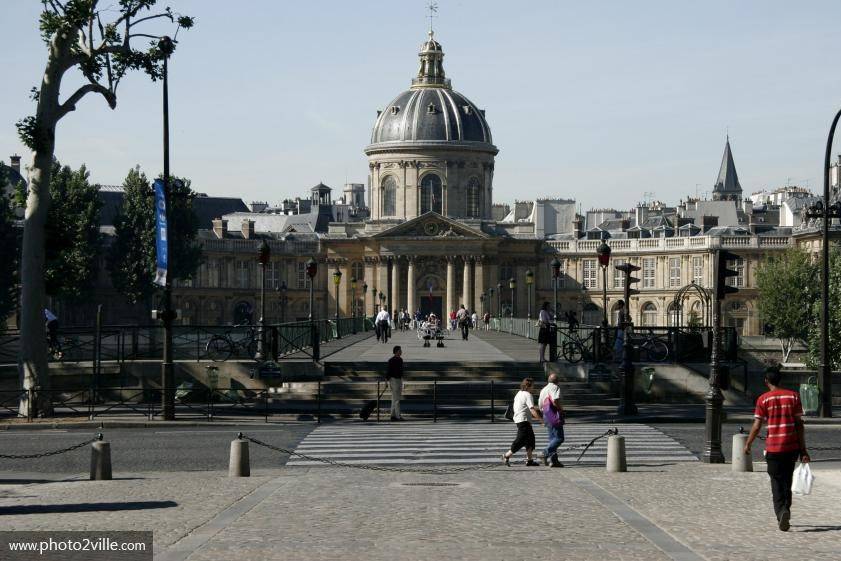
<point x="394" y="375"/>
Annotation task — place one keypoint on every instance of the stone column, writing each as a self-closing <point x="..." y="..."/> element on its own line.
<point x="479" y="277"/>
<point x="370" y="279"/>
<point x="451" y="287"/>
<point x="382" y="278"/>
<point x="467" y="283"/>
<point x="411" y="288"/>
<point x="395" y="285"/>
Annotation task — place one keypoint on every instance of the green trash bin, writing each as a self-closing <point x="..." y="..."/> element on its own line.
<point x="809" y="396"/>
<point x="647" y="379"/>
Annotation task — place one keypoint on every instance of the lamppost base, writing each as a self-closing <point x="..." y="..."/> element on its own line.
<point x="712" y="430"/>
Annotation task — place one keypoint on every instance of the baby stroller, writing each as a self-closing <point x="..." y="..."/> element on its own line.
<point x="429" y="330"/>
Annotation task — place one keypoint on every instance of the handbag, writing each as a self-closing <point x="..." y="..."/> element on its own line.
<point x="801" y="482"/>
<point x="509" y="411"/>
<point x="551" y="415"/>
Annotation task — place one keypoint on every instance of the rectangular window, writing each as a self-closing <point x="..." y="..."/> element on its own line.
<point x="698" y="270"/>
<point x="212" y="273"/>
<point x="649" y="267"/>
<point x="674" y="272"/>
<point x="562" y="274"/>
<point x="590" y="273"/>
<point x="303" y="280"/>
<point x="506" y="272"/>
<point x="242" y="274"/>
<point x="737" y="265"/>
<point x="618" y="276"/>
<point x="273" y="275"/>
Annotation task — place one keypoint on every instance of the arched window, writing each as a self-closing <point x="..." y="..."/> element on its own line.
<point x="473" y="198"/>
<point x="358" y="271"/>
<point x="649" y="314"/>
<point x="431" y="199"/>
<point x="389" y="196"/>
<point x="674" y="315"/>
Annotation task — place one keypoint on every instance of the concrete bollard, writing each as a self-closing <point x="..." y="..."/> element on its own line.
<point x="616" y="454"/>
<point x="239" y="464"/>
<point x="741" y="461"/>
<point x="100" y="460"/>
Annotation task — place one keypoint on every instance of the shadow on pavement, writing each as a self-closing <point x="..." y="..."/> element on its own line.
<point x="84" y="507"/>
<point x="812" y="528"/>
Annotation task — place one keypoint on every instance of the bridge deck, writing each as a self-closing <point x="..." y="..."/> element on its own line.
<point x="481" y="346"/>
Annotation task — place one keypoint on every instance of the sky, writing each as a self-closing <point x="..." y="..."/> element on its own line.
<point x="606" y="102"/>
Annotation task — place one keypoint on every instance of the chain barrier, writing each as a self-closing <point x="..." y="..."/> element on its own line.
<point x="53" y="452"/>
<point x="429" y="470"/>
<point x="809" y="448"/>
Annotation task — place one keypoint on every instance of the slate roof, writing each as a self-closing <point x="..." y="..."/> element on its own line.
<point x="727" y="181"/>
<point x="206" y="208"/>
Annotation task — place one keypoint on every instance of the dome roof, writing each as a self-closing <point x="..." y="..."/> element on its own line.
<point x="431" y="112"/>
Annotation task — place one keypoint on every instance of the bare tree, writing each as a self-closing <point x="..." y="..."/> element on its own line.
<point x="98" y="42"/>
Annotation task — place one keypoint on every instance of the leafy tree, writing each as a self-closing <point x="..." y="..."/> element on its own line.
<point x="98" y="41"/>
<point x="814" y="357"/>
<point x="72" y="233"/>
<point x="788" y="289"/>
<point x="10" y="242"/>
<point x="131" y="258"/>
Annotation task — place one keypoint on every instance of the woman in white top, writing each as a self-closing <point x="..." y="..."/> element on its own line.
<point x="543" y="335"/>
<point x="523" y="409"/>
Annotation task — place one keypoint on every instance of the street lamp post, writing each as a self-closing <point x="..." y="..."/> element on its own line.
<point x="482" y="303"/>
<point x="603" y="253"/>
<point x="168" y="315"/>
<point x="312" y="270"/>
<point x="353" y="309"/>
<point x="512" y="284"/>
<point x="491" y="300"/>
<point x="263" y="255"/>
<point x="364" y="304"/>
<point x="556" y="274"/>
<point x="283" y="299"/>
<point x="529" y="283"/>
<point x="337" y="280"/>
<point x="825" y="211"/>
<point x="499" y="299"/>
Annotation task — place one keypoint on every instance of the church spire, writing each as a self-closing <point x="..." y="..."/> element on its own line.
<point x="727" y="185"/>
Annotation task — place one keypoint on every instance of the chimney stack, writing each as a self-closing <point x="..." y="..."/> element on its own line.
<point x="577" y="226"/>
<point x="247" y="228"/>
<point x="15" y="162"/>
<point x="219" y="227"/>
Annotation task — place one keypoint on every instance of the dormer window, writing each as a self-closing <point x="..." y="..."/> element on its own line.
<point x="395" y="109"/>
<point x="467" y="110"/>
<point x="431" y="109"/>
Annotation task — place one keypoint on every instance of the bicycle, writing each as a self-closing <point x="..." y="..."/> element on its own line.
<point x="655" y="349"/>
<point x="575" y="349"/>
<point x="220" y="347"/>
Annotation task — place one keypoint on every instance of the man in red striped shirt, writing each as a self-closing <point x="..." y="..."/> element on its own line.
<point x="785" y="443"/>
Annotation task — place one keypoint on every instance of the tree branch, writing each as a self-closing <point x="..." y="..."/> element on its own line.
<point x="70" y="104"/>
<point x="147" y="18"/>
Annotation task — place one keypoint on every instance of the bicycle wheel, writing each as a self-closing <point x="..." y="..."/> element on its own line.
<point x="572" y="352"/>
<point x="657" y="351"/>
<point x="218" y="348"/>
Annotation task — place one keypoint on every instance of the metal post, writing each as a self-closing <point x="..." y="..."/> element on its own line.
<point x="493" y="416"/>
<point x="627" y="406"/>
<point x="714" y="397"/>
<point x="378" y="401"/>
<point x="167" y="367"/>
<point x="318" y="399"/>
<point x="353" y="309"/>
<point x="825" y="368"/>
<point x="312" y="281"/>
<point x="266" y="404"/>
<point x="434" y="401"/>
<point x="261" y="339"/>
<point x="555" y="290"/>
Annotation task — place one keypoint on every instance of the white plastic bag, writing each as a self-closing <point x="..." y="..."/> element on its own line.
<point x="801" y="483"/>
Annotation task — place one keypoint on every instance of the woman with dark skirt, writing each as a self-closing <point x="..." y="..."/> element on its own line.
<point x="543" y="337"/>
<point x="523" y="409"/>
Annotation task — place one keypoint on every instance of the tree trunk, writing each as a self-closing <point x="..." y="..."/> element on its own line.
<point x="32" y="362"/>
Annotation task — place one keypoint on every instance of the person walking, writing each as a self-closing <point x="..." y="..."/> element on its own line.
<point x="394" y="376"/>
<point x="487" y="320"/>
<point x="453" y="320"/>
<point x="619" y="343"/>
<point x="523" y="407"/>
<point x="382" y="325"/>
<point x="474" y="320"/>
<point x="463" y="318"/>
<point x="52" y="331"/>
<point x="785" y="442"/>
<point x="553" y="417"/>
<point x="544" y="333"/>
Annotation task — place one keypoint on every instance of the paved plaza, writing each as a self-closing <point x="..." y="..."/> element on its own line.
<point x="668" y="506"/>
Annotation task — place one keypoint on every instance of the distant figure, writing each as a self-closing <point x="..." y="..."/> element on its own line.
<point x="453" y="320"/>
<point x="544" y="333"/>
<point x="394" y="376"/>
<point x="52" y="331"/>
<point x="487" y="320"/>
<point x="619" y="343"/>
<point x="785" y="443"/>
<point x="572" y="320"/>
<point x="474" y="320"/>
<point x="463" y="318"/>
<point x="382" y="325"/>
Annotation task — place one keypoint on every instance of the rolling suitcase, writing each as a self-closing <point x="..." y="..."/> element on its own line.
<point x="369" y="407"/>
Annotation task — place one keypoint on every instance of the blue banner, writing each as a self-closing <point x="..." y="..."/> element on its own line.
<point x="161" y="233"/>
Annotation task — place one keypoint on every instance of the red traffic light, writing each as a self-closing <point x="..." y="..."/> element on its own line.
<point x="312" y="268"/>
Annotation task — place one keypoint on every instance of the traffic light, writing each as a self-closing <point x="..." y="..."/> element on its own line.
<point x="721" y="286"/>
<point x="628" y="269"/>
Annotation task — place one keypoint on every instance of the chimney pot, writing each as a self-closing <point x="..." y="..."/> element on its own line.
<point x="15" y="162"/>
<point x="219" y="227"/>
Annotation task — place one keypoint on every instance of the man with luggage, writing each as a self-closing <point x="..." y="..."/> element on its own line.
<point x="381" y="324"/>
<point x="394" y="376"/>
<point x="785" y="442"/>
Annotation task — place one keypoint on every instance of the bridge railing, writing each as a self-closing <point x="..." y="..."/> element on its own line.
<point x="684" y="344"/>
<point x="123" y="343"/>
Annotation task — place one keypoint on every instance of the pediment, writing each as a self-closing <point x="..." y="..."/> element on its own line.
<point x="432" y="226"/>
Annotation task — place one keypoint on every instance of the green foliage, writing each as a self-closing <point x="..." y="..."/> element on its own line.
<point x="131" y="258"/>
<point x="813" y="359"/>
<point x="788" y="288"/>
<point x="10" y="242"/>
<point x="72" y="233"/>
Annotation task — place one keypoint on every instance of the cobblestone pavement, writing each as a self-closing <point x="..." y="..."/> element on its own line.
<point x="687" y="511"/>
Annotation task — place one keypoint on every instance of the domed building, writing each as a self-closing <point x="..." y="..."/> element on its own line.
<point x="431" y="149"/>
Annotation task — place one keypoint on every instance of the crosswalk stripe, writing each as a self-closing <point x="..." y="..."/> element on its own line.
<point x="465" y="443"/>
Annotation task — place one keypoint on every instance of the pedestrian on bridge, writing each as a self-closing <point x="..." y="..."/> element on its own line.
<point x="381" y="325"/>
<point x="394" y="376"/>
<point x="543" y="333"/>
<point x="785" y="443"/>
<point x="463" y="318"/>
<point x="553" y="417"/>
<point x="523" y="407"/>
